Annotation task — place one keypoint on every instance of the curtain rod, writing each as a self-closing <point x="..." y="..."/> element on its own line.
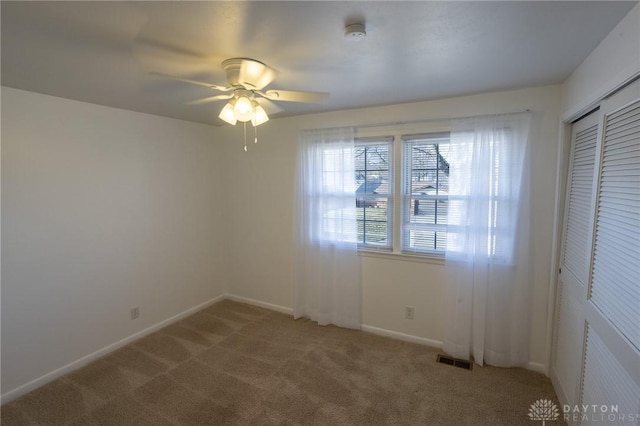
<point x="428" y="120"/>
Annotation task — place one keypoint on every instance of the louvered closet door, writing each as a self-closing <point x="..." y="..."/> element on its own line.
<point x="611" y="375"/>
<point x="576" y="255"/>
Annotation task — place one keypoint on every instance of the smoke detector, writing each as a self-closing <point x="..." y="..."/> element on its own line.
<point x="355" y="32"/>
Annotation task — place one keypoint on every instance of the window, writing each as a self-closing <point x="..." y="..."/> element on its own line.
<point x="454" y="178"/>
<point x="360" y="181"/>
<point x="374" y="192"/>
<point x="425" y="193"/>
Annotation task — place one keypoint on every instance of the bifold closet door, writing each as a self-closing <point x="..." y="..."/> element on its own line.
<point x="576" y="256"/>
<point x="596" y="354"/>
<point x="611" y="371"/>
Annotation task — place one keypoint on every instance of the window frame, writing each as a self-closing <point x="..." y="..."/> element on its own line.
<point x="398" y="130"/>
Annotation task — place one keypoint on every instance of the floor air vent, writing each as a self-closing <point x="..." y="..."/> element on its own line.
<point x="460" y="363"/>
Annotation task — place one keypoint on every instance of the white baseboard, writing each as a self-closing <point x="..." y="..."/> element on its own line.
<point x="562" y="396"/>
<point x="537" y="367"/>
<point x="533" y="366"/>
<point x="254" y="302"/>
<point x="402" y="336"/>
<point x="55" y="374"/>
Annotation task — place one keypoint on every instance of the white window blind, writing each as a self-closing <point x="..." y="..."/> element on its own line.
<point x="425" y="193"/>
<point x="576" y="244"/>
<point x="615" y="280"/>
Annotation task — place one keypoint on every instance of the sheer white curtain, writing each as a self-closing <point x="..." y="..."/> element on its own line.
<point x="488" y="241"/>
<point x="328" y="275"/>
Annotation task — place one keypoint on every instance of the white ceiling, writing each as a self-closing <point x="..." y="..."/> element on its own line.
<point x="102" y="52"/>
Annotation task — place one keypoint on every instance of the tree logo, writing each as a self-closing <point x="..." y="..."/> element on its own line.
<point x="543" y="409"/>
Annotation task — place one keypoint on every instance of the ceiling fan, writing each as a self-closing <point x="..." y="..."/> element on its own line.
<point x="246" y="80"/>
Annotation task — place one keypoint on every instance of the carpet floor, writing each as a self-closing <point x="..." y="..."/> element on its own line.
<point x="238" y="364"/>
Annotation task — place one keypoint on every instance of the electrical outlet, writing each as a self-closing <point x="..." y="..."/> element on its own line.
<point x="408" y="312"/>
<point x="135" y="312"/>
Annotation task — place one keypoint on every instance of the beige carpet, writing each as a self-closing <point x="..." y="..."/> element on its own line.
<point x="237" y="364"/>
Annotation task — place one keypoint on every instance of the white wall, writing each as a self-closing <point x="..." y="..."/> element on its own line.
<point x="261" y="244"/>
<point x="613" y="62"/>
<point x="102" y="209"/>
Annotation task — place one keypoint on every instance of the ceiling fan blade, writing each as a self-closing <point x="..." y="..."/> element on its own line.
<point x="148" y="44"/>
<point x="269" y="106"/>
<point x="198" y="83"/>
<point x="296" y="96"/>
<point x="210" y="99"/>
<point x="153" y="52"/>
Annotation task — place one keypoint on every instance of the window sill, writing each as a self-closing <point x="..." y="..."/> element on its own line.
<point x="405" y="257"/>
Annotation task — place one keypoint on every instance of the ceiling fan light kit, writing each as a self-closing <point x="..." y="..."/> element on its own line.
<point x="246" y="78"/>
<point x="259" y="115"/>
<point x="243" y="108"/>
<point x="227" y="114"/>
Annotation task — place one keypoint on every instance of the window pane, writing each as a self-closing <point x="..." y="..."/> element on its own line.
<point x="426" y="240"/>
<point x="373" y="193"/>
<point x="426" y="185"/>
<point x="373" y="224"/>
<point x="337" y="224"/>
<point x="429" y="211"/>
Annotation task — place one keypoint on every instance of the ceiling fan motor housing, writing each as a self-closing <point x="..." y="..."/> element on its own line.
<point x="247" y="73"/>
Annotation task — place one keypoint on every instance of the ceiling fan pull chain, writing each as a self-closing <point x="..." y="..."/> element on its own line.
<point x="255" y="134"/>
<point x="245" y="136"/>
